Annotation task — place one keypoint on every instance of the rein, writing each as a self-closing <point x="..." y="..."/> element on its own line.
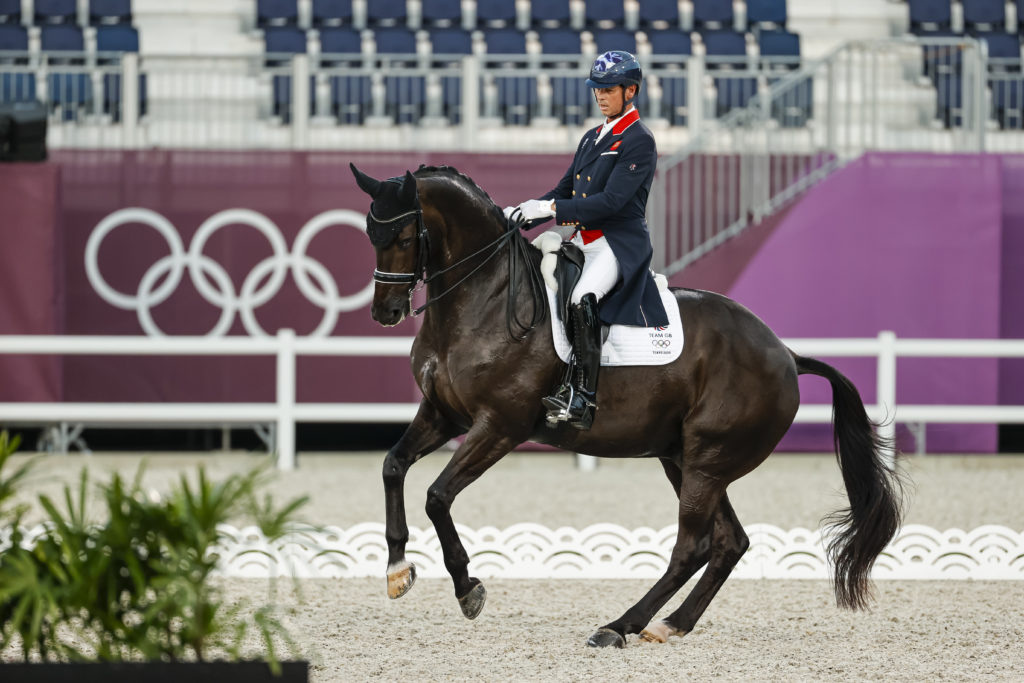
<point x="518" y="253"/>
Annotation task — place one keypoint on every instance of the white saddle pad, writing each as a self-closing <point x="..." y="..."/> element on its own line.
<point x="626" y="345"/>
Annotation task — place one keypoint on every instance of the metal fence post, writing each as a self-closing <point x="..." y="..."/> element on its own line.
<point x="286" y="400"/>
<point x="130" y="100"/>
<point x="470" y="100"/>
<point x="886" y="393"/>
<point x="300" y="101"/>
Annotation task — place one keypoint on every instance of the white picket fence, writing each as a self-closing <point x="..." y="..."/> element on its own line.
<point x="285" y="412"/>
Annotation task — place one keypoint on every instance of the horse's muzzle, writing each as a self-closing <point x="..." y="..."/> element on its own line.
<point x="390" y="311"/>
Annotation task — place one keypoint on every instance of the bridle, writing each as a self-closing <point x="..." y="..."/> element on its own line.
<point x="419" y="274"/>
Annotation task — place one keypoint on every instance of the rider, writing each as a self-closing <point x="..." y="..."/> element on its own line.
<point x="603" y="196"/>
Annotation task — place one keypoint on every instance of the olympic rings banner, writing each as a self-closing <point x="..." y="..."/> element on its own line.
<point x="218" y="243"/>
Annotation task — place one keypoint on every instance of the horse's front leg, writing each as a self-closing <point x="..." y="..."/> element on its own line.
<point x="481" y="449"/>
<point x="428" y="430"/>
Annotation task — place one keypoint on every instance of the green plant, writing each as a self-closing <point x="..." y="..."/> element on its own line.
<point x="135" y="586"/>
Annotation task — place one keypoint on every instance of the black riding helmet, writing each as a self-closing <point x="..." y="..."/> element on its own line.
<point x="616" y="67"/>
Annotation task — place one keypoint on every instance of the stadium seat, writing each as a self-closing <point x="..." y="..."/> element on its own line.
<point x="117" y="38"/>
<point x="386" y="13"/>
<point x="504" y="41"/>
<point x="713" y="14"/>
<point x="277" y="13"/>
<point x="571" y="99"/>
<point x="442" y="13"/>
<point x="496" y="13"/>
<point x="331" y="13"/>
<point x="780" y="52"/>
<point x="658" y="14"/>
<point x="930" y="16"/>
<point x="350" y="95"/>
<point x="68" y="91"/>
<point x="550" y="13"/>
<point x="615" y="39"/>
<point x="670" y="42"/>
<point x="279" y="42"/>
<point x="516" y="95"/>
<point x="727" y="52"/>
<point x="110" y="12"/>
<point x="605" y="14"/>
<point x="404" y="96"/>
<point x="769" y="14"/>
<point x="671" y="75"/>
<point x="10" y="11"/>
<point x="16" y="84"/>
<point x="447" y="42"/>
<point x="55" y="11"/>
<point x="984" y="15"/>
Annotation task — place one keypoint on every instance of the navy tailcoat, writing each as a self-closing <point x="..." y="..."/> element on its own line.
<point x="606" y="189"/>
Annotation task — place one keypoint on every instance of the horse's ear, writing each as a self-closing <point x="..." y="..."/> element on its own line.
<point x="370" y="186"/>
<point x="407" y="193"/>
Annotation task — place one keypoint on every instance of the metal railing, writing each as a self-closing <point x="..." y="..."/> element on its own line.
<point x="285" y="412"/>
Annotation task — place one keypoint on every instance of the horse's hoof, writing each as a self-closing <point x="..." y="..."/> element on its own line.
<point x="401" y="577"/>
<point x="659" y="632"/>
<point x="605" y="637"/>
<point x="473" y="601"/>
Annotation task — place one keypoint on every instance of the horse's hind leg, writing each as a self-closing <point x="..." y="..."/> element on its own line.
<point x="479" y="451"/>
<point x="699" y="497"/>
<point x="728" y="543"/>
<point x="428" y="430"/>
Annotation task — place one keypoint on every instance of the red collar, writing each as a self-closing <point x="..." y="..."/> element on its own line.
<point x="625" y="122"/>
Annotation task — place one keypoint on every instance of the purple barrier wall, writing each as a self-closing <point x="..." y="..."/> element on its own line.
<point x="903" y="242"/>
<point x="287" y="191"/>
<point x="30" y="290"/>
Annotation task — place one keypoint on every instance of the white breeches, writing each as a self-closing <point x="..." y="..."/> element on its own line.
<point x="600" y="269"/>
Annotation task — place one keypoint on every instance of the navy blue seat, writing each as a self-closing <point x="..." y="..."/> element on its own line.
<point x="277" y="13"/>
<point x="658" y="14"/>
<point x="331" y="13"/>
<point x="279" y="42"/>
<point x="930" y="16"/>
<point x="442" y="13"/>
<point x="10" y="11"/>
<point x="984" y="15"/>
<point x="770" y="14"/>
<point x="793" y="107"/>
<point x="404" y="96"/>
<point x="571" y="99"/>
<point x="615" y="39"/>
<point x="516" y="95"/>
<point x="671" y="75"/>
<point x="68" y="91"/>
<point x="351" y="96"/>
<point x="550" y="13"/>
<point x="446" y="43"/>
<point x="605" y="14"/>
<point x="15" y="86"/>
<point x="713" y="14"/>
<point x="117" y="38"/>
<point x="730" y="49"/>
<point x="110" y="12"/>
<point x="386" y="13"/>
<point x="496" y="13"/>
<point x="55" y="11"/>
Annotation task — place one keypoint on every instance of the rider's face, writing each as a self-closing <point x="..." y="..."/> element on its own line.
<point x="610" y="100"/>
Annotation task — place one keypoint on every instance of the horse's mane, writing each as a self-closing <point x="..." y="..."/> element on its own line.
<point x="465" y="181"/>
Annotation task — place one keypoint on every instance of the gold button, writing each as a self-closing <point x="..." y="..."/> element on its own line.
<point x="584" y="194"/>
<point x="577" y="176"/>
<point x="588" y="178"/>
<point x="574" y="193"/>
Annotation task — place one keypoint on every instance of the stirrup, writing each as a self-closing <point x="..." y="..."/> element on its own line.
<point x="558" y="407"/>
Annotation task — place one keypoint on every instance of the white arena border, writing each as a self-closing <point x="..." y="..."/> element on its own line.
<point x="609" y="551"/>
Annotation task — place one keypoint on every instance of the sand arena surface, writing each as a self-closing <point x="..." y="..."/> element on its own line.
<point x="535" y="630"/>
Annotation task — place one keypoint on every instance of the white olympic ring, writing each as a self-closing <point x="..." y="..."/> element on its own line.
<point x="211" y="279"/>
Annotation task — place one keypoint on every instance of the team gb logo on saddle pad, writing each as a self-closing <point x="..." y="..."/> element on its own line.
<point x="606" y="61"/>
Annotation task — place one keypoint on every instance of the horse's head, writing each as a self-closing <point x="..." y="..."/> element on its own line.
<point x="395" y="228"/>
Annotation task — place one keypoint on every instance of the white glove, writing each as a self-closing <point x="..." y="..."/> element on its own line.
<point x="533" y="209"/>
<point x="508" y="211"/>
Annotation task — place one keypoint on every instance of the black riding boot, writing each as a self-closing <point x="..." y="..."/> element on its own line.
<point x="576" y="402"/>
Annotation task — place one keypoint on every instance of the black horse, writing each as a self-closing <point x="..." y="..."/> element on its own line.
<point x="483" y="362"/>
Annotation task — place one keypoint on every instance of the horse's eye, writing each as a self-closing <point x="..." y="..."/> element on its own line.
<point x="405" y="243"/>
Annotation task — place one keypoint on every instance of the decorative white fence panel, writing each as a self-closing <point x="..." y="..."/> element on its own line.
<point x="285" y="412"/>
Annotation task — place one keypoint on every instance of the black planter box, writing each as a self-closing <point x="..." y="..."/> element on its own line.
<point x="155" y="672"/>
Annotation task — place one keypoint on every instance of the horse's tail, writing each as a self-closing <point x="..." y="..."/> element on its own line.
<point x="860" y="532"/>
